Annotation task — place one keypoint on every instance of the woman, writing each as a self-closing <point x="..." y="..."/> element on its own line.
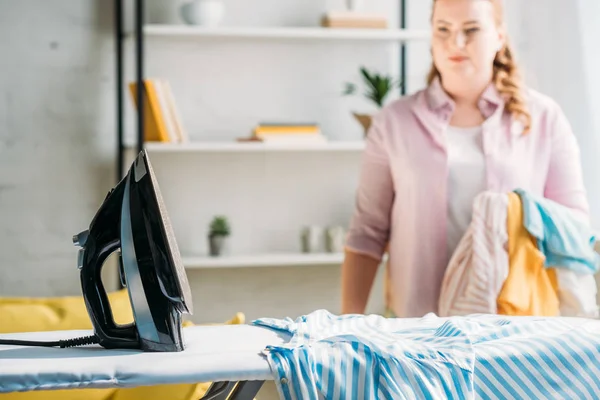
<point x="473" y="128"/>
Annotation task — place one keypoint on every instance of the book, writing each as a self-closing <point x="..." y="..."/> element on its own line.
<point x="154" y="126"/>
<point x="162" y="122"/>
<point x="181" y="132"/>
<point x="285" y="133"/>
<point x="286" y="139"/>
<point x="285" y="130"/>
<point x="353" y="19"/>
<point x="165" y="110"/>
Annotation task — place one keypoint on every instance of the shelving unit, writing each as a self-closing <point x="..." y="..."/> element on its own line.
<point x="401" y="35"/>
<point x="264" y="260"/>
<point x="301" y="33"/>
<point x="252" y="147"/>
<point x="141" y="32"/>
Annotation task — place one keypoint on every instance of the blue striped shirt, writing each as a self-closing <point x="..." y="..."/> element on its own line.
<point x="479" y="356"/>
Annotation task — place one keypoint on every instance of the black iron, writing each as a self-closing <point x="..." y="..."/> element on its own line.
<point x="133" y="221"/>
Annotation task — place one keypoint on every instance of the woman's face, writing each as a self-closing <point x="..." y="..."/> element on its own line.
<point x="465" y="40"/>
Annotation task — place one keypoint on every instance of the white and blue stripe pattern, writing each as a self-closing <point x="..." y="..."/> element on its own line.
<point x="475" y="357"/>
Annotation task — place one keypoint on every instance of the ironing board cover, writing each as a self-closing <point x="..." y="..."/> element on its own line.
<point x="213" y="353"/>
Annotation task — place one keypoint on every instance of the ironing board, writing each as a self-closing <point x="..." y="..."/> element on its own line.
<point x="230" y="356"/>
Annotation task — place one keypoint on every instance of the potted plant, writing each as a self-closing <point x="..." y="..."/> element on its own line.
<point x="378" y="88"/>
<point x="218" y="233"/>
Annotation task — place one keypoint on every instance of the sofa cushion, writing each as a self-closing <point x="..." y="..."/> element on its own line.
<point x="56" y="313"/>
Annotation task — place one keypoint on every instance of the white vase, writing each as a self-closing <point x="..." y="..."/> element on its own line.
<point x="312" y="239"/>
<point x="354" y="5"/>
<point x="335" y="239"/>
<point x="203" y="12"/>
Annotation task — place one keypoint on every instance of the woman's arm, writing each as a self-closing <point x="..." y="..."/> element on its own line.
<point x="564" y="182"/>
<point x="370" y="225"/>
<point x="358" y="274"/>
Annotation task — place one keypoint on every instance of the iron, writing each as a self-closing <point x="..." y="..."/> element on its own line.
<point x="133" y="221"/>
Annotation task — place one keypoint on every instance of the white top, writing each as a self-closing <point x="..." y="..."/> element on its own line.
<point x="466" y="179"/>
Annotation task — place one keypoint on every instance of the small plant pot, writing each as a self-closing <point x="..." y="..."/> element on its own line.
<point x="364" y="120"/>
<point x="216" y="245"/>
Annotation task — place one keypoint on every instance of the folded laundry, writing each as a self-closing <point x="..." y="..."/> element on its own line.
<point x="479" y="356"/>
<point x="522" y="255"/>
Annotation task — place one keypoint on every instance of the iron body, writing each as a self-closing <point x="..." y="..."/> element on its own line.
<point x="133" y="222"/>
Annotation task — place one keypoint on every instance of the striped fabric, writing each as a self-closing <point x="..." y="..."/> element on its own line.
<point x="475" y="357"/>
<point x="479" y="266"/>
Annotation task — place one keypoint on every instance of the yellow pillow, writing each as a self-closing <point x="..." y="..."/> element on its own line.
<point x="56" y="313"/>
<point x="36" y="314"/>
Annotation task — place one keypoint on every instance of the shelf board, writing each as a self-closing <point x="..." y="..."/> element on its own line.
<point x="216" y="147"/>
<point x="263" y="260"/>
<point x="287" y="32"/>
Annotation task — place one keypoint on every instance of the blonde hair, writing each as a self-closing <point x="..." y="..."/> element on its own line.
<point x="506" y="77"/>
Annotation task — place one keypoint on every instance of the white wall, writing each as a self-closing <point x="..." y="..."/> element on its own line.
<point x="56" y="137"/>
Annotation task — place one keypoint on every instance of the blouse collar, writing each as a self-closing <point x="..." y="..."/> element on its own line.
<point x="439" y="99"/>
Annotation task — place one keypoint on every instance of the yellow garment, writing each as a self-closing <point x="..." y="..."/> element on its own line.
<point x="530" y="289"/>
<point x="36" y="314"/>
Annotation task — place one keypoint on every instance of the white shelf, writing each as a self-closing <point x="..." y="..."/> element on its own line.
<point x="287" y="33"/>
<point x="216" y="147"/>
<point x="263" y="260"/>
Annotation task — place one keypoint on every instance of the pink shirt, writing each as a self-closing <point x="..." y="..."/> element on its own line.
<point x="402" y="193"/>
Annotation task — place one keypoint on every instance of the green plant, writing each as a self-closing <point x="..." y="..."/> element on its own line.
<point x="219" y="226"/>
<point x="378" y="86"/>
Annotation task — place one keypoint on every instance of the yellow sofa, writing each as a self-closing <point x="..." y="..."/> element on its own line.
<point x="18" y="314"/>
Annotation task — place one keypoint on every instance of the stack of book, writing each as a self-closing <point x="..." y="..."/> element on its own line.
<point x="353" y="19"/>
<point x="286" y="133"/>
<point x="162" y="122"/>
